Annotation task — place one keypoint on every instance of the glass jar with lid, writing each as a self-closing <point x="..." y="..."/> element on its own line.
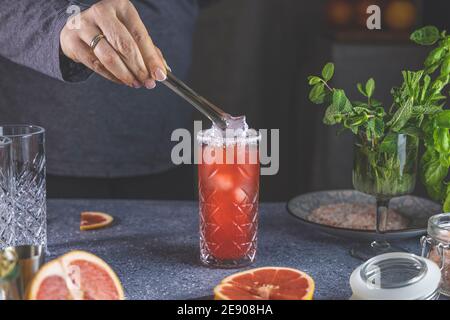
<point x="436" y="246"/>
<point x="396" y="276"/>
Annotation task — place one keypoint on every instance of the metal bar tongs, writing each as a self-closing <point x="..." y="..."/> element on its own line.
<point x="212" y="112"/>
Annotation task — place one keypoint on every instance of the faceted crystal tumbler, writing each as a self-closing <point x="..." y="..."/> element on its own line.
<point x="28" y="188"/>
<point x="6" y="212"/>
<point x="228" y="193"/>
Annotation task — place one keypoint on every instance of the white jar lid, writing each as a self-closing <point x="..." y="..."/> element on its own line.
<point x="396" y="276"/>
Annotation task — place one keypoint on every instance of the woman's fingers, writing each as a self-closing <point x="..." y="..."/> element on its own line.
<point x="123" y="43"/>
<point x="84" y="55"/>
<point x="163" y="59"/>
<point x="109" y="58"/>
<point x="112" y="61"/>
<point x="130" y="18"/>
<point x="127" y="52"/>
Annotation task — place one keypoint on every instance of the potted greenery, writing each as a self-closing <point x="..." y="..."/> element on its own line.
<point x="386" y="149"/>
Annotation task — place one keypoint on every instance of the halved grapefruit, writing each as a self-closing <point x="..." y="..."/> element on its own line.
<point x="94" y="220"/>
<point x="77" y="275"/>
<point x="269" y="283"/>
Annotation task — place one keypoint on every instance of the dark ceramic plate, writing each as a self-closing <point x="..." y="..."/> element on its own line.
<point x="416" y="210"/>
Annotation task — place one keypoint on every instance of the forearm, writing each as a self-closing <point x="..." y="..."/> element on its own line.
<point x="29" y="33"/>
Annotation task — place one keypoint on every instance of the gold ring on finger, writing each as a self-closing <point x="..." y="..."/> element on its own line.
<point x="96" y="40"/>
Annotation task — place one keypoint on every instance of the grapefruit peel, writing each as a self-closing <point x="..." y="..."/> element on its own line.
<point x="70" y="279"/>
<point x="91" y="220"/>
<point x="281" y="284"/>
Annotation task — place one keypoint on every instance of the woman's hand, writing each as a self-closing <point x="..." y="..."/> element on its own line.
<point x="126" y="55"/>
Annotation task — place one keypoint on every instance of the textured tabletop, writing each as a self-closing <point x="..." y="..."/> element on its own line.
<point x="153" y="247"/>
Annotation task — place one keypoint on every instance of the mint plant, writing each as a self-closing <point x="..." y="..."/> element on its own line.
<point x="417" y="111"/>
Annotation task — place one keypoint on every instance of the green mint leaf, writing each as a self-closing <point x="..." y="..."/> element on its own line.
<point x="442" y="141"/>
<point x="444" y="159"/>
<point x="370" y="87"/>
<point x="360" y="109"/>
<point x="435" y="56"/>
<point x="435" y="191"/>
<point x="370" y="129"/>
<point x="402" y="115"/>
<point x="379" y="128"/>
<point x="437" y="86"/>
<point x="412" y="81"/>
<point x="360" y="104"/>
<point x="317" y="94"/>
<point x="446" y="205"/>
<point x="389" y="143"/>
<point x="361" y="89"/>
<point x="332" y="116"/>
<point x="341" y="102"/>
<point x="328" y="71"/>
<point x="339" y="108"/>
<point x="433" y="108"/>
<point x="432" y="68"/>
<point x="444" y="79"/>
<point x="426" y="36"/>
<point x="446" y="42"/>
<point x="443" y="119"/>
<point x="356" y="121"/>
<point x="445" y="67"/>
<point x="374" y="128"/>
<point x="433" y="174"/>
<point x="312" y="80"/>
<point x="426" y="84"/>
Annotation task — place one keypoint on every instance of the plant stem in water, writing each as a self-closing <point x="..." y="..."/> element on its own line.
<point x="382" y="214"/>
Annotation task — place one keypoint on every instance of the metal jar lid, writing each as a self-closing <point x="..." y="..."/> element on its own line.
<point x="396" y="276"/>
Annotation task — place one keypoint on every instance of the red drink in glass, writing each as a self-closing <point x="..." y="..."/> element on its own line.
<point x="228" y="192"/>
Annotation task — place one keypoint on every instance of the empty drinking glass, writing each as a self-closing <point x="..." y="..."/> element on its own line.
<point x="6" y="213"/>
<point x="28" y="187"/>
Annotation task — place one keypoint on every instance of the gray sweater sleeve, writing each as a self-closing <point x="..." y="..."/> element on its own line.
<point x="29" y="36"/>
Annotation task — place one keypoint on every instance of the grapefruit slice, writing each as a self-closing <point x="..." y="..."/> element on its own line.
<point x="94" y="220"/>
<point x="77" y="275"/>
<point x="269" y="283"/>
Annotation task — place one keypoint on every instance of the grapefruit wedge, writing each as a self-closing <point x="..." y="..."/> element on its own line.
<point x="269" y="283"/>
<point x="77" y="275"/>
<point x="94" y="220"/>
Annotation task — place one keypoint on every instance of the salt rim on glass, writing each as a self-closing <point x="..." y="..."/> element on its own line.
<point x="237" y="133"/>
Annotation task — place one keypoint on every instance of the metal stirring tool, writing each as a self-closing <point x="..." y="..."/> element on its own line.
<point x="220" y="118"/>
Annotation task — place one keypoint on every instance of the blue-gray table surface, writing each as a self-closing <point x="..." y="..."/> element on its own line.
<point x="153" y="246"/>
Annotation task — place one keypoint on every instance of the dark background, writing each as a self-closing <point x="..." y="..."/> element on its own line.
<point x="253" y="57"/>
